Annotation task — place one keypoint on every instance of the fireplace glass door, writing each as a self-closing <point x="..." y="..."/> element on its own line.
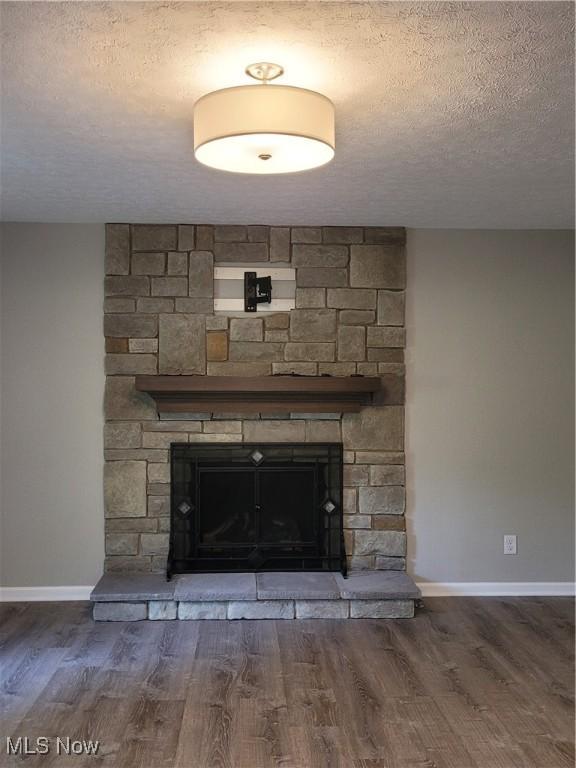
<point x="256" y="507"/>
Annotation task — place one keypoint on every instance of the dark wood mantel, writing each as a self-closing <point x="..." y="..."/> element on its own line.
<point x="265" y="394"/>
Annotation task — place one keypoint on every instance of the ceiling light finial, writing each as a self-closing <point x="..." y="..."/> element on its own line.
<point x="291" y="129"/>
<point x="264" y="71"/>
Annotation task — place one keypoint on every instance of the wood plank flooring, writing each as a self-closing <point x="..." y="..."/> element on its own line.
<point x="468" y="683"/>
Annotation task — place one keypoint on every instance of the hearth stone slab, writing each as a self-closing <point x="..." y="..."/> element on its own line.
<point x="195" y="611"/>
<point x="377" y="585"/>
<point x="119" y="611"/>
<point x="122" y="587"/>
<point x="162" y="610"/>
<point x="294" y="586"/>
<point x="261" y="609"/>
<point x="381" y="609"/>
<point x="322" y="609"/>
<point x="199" y="587"/>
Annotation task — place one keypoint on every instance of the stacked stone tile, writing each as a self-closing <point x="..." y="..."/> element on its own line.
<point x="159" y="318"/>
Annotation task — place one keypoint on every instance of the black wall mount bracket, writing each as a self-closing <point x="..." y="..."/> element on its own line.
<point x="257" y="290"/>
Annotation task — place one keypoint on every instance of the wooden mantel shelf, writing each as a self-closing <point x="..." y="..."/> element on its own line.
<point x="265" y="394"/>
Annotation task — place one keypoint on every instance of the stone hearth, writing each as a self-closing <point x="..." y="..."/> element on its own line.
<point x="363" y="595"/>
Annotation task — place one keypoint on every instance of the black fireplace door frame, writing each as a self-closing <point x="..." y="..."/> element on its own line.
<point x="194" y="471"/>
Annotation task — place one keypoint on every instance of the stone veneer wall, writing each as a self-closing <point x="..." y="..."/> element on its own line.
<point x="158" y="318"/>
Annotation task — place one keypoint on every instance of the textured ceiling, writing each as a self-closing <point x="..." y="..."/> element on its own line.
<point x="448" y="114"/>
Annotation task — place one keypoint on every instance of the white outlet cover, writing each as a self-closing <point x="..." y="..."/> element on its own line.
<point x="510" y="544"/>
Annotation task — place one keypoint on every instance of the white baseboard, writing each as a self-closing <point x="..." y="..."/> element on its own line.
<point x="497" y="588"/>
<point x="43" y="594"/>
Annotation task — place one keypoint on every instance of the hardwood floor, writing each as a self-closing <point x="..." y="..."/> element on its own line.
<point x="468" y="683"/>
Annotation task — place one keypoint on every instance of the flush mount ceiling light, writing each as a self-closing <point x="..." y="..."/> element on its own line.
<point x="264" y="128"/>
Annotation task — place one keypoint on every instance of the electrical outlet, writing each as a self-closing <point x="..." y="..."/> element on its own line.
<point x="510" y="544"/>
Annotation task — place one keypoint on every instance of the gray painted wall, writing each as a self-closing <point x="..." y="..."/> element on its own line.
<point x="51" y="404"/>
<point x="490" y="405"/>
<point x="489" y="414"/>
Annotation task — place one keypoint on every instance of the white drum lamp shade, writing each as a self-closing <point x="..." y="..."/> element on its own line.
<point x="264" y="129"/>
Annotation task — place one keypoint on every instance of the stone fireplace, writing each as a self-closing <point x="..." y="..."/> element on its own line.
<point x="159" y="319"/>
